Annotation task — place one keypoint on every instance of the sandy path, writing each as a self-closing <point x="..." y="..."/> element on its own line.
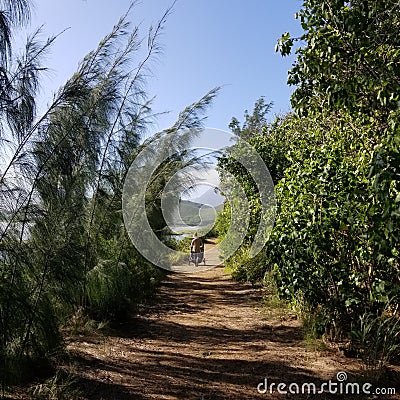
<point x="205" y="338"/>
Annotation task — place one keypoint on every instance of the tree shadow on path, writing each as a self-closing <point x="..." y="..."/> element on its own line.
<point x="203" y="338"/>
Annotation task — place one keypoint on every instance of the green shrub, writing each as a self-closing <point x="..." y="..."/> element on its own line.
<point x="115" y="289"/>
<point x="376" y="338"/>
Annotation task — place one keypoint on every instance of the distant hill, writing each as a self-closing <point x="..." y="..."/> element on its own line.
<point x="211" y="198"/>
<point x="193" y="213"/>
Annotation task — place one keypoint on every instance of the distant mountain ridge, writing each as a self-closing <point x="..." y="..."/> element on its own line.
<point x="194" y="213"/>
<point x="210" y="197"/>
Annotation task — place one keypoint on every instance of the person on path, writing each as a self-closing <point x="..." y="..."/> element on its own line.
<point x="196" y="248"/>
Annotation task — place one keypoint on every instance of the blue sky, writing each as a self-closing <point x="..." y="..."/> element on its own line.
<point x="206" y="43"/>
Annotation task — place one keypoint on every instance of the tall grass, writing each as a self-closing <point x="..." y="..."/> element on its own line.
<point x="377" y="340"/>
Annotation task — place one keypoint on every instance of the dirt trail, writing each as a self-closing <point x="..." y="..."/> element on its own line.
<point x="205" y="338"/>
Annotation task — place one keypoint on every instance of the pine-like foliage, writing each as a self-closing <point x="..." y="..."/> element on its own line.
<point x="63" y="245"/>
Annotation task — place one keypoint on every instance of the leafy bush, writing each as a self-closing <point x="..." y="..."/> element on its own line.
<point x="336" y="168"/>
<point x="333" y="246"/>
